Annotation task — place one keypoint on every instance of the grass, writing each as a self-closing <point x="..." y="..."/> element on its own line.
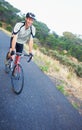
<point x="75" y="105"/>
<point x="61" y="88"/>
<point x="44" y="68"/>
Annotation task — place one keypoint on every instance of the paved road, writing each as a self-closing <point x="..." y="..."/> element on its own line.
<point x="39" y="107"/>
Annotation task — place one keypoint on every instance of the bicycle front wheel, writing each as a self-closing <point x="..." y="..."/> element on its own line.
<point x="17" y="79"/>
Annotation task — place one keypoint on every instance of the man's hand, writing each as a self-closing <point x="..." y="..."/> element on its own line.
<point x="12" y="53"/>
<point x="30" y="54"/>
<point x="30" y="57"/>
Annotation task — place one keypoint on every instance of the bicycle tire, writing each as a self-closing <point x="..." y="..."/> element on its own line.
<point x="7" y="66"/>
<point x="17" y="79"/>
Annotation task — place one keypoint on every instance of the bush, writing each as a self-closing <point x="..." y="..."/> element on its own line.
<point x="64" y="60"/>
<point x="9" y="28"/>
<point x="35" y="46"/>
<point x="44" y="51"/>
<point x="0" y="24"/>
<point x="78" y="70"/>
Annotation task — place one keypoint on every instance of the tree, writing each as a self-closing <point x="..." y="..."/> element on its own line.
<point x="41" y="31"/>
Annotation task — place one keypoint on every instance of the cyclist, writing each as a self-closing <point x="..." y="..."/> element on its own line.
<point x="23" y="32"/>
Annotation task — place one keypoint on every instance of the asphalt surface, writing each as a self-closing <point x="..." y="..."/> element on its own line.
<point x="40" y="106"/>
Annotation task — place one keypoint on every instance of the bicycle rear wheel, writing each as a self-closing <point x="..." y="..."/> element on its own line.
<point x="17" y="79"/>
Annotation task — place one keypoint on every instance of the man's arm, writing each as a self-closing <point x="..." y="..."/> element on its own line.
<point x="30" y="44"/>
<point x="14" y="42"/>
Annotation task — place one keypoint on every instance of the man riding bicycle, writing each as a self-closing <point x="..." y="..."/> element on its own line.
<point x="23" y="32"/>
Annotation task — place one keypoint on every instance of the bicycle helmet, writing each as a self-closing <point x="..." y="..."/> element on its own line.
<point x="31" y="15"/>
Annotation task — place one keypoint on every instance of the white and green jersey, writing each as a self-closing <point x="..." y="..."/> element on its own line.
<point x="23" y="35"/>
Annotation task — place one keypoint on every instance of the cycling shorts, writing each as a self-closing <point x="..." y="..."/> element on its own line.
<point x="19" y="47"/>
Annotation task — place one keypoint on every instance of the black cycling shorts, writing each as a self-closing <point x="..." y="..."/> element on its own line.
<point x="19" y="47"/>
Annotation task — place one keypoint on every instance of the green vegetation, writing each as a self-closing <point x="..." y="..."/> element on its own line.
<point x="75" y="105"/>
<point x="9" y="28"/>
<point x="0" y="24"/>
<point x="76" y="67"/>
<point x="8" y="13"/>
<point x="61" y="88"/>
<point x="44" y="68"/>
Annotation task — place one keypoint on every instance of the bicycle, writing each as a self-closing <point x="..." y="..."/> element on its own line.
<point x="15" y="69"/>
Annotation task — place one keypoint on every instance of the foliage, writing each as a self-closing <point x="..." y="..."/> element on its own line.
<point x="77" y="67"/>
<point x="9" y="28"/>
<point x="75" y="105"/>
<point x="8" y="13"/>
<point x="35" y="46"/>
<point x="44" y="68"/>
<point x="0" y="24"/>
<point x="41" y="31"/>
<point x="78" y="70"/>
<point x="61" y="88"/>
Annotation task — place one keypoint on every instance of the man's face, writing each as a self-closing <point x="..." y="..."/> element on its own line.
<point x="29" y="21"/>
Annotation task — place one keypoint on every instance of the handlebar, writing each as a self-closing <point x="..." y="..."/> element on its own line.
<point x="24" y="54"/>
<point x="30" y="57"/>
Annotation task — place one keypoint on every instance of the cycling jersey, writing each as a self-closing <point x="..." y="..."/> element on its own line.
<point x="23" y="35"/>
